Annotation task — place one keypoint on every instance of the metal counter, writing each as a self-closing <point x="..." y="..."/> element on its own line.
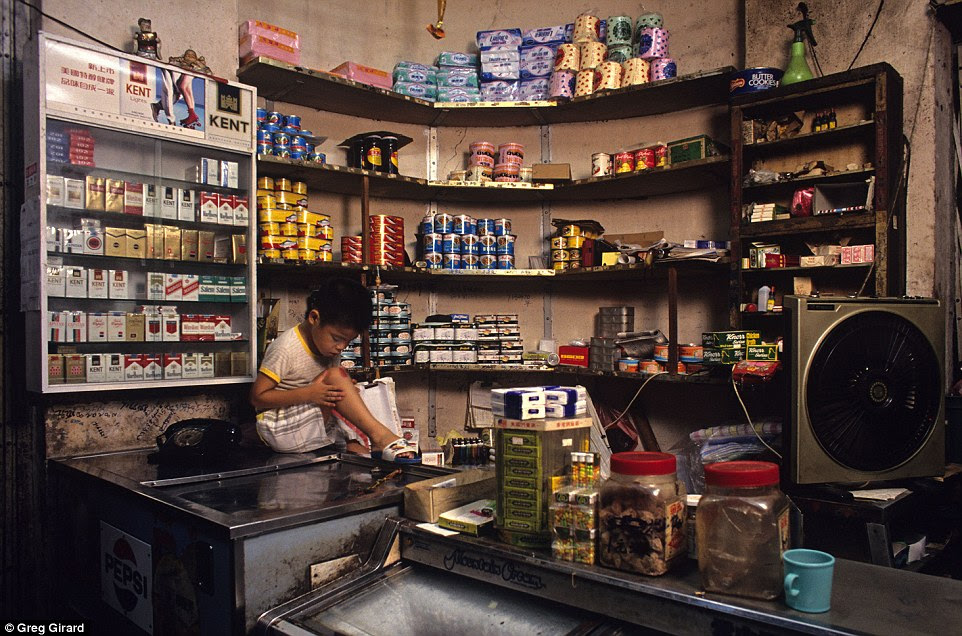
<point x="208" y="548"/>
<point x="866" y="599"/>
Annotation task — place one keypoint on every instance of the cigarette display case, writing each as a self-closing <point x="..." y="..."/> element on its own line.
<point x="136" y="223"/>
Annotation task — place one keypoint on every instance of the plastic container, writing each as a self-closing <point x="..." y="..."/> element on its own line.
<point x="742" y="528"/>
<point x="642" y="514"/>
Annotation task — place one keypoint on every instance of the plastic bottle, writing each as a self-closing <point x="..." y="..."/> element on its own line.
<point x="763" y="293"/>
<point x="771" y="300"/>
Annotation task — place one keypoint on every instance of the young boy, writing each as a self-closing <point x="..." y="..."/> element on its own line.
<point x="300" y="381"/>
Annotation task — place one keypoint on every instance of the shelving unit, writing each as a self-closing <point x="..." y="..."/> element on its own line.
<point x="330" y="93"/>
<point x="93" y="124"/>
<point x="868" y="102"/>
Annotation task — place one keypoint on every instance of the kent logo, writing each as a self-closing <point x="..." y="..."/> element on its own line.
<point x="130" y="585"/>
<point x="228" y="99"/>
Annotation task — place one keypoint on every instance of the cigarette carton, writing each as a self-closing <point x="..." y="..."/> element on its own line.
<point x="116" y="326"/>
<point x="153" y="369"/>
<point x="173" y="287"/>
<point x="173" y="366"/>
<point x="209" y="206"/>
<point x="96" y="369"/>
<point x="134" y="198"/>
<point x="186" y="210"/>
<point x="96" y="326"/>
<point x="168" y="202"/>
<point x="115" y="367"/>
<point x="76" y="282"/>
<point x="136" y="243"/>
<point x="55" y="369"/>
<point x="119" y="287"/>
<point x="115" y="242"/>
<point x="133" y="367"/>
<point x="136" y="325"/>
<point x="75" y="368"/>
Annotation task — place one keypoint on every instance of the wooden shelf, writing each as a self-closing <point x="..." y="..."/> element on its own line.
<point x="688" y="176"/>
<point x="324" y="91"/>
<point x="794" y="270"/>
<point x="99" y="261"/>
<point x="840" y="134"/>
<point x="853" y="176"/>
<point x="823" y="223"/>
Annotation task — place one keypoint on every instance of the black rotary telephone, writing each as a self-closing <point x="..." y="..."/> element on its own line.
<point x="196" y="439"/>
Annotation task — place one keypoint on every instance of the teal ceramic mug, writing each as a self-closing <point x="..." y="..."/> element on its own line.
<point x="808" y="579"/>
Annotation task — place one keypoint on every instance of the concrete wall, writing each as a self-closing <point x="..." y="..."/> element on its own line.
<point x="704" y="36"/>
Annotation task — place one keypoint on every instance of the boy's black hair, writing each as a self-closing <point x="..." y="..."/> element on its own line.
<point x="343" y="302"/>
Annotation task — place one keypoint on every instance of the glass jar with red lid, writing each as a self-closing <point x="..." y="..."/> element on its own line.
<point x="641" y="515"/>
<point x="741" y="529"/>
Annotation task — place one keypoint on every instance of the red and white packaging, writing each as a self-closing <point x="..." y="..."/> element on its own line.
<point x="77" y="326"/>
<point x="242" y="215"/>
<point x="97" y="327"/>
<point x="117" y="326"/>
<point x="268" y="31"/>
<point x="97" y="283"/>
<point x="189" y="328"/>
<point x="153" y="369"/>
<point x="153" y="327"/>
<point x="134" y="198"/>
<point x="225" y="209"/>
<point x="209" y="204"/>
<point x="190" y="287"/>
<point x="173" y="366"/>
<point x="205" y="329"/>
<point x="173" y="287"/>
<point x="191" y="364"/>
<point x="133" y="366"/>
<point x="222" y="328"/>
<point x="118" y="284"/>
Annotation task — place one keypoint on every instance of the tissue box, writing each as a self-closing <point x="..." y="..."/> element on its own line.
<point x="473" y="518"/>
<point x="521" y="404"/>
<point x="363" y="74"/>
<point x="425" y="500"/>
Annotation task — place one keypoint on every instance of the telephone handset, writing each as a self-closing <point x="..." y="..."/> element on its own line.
<point x="196" y="439"/>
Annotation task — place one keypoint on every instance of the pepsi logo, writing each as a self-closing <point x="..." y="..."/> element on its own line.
<point x="130" y="585"/>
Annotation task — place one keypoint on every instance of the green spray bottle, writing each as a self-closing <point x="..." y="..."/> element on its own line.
<point x="798" y="70"/>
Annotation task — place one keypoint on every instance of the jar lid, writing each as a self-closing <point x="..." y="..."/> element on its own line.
<point x="739" y="473"/>
<point x="643" y="463"/>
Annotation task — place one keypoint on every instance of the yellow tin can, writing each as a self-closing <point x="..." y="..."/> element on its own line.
<point x="299" y="187"/>
<point x="271" y="253"/>
<point x="559" y="265"/>
<point x="265" y="183"/>
<point x="559" y="242"/>
<point x="571" y="230"/>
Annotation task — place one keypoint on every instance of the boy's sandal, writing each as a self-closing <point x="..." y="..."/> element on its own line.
<point x="398" y="447"/>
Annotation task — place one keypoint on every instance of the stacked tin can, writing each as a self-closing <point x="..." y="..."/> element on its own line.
<point x="499" y="339"/>
<point x="453" y="340"/>
<point x="390" y="333"/>
<point x="287" y="228"/>
<point x="386" y="240"/>
<point x="462" y="242"/>
<point x="566" y="248"/>
<point x="281" y="135"/>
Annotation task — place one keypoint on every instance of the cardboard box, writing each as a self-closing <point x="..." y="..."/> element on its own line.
<point x="136" y="243"/>
<point x="363" y="74"/>
<point x="736" y="339"/>
<point x="97" y="326"/>
<point x="550" y="172"/>
<point x="573" y="356"/>
<point x="426" y="500"/>
<point x="96" y="370"/>
<point x="762" y="352"/>
<point x="133" y="367"/>
<point x="186" y="205"/>
<point x="473" y="518"/>
<point x="691" y="148"/>
<point x="115" y="242"/>
<point x="644" y="239"/>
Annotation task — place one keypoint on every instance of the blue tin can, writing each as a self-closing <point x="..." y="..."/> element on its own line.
<point x="274" y="117"/>
<point x="433" y="243"/>
<point x="451" y="261"/>
<point x="470" y="261"/>
<point x="265" y="137"/>
<point x="282" y="151"/>
<point x="505" y="244"/>
<point x="282" y="139"/>
<point x="265" y="149"/>
<point x="465" y="224"/>
<point x="298" y="154"/>
<point x="271" y="128"/>
<point x="470" y="245"/>
<point x="290" y="130"/>
<point x="502" y="227"/>
<point x="443" y="223"/>
<point x="451" y="243"/>
<point x="485" y="226"/>
<point x="294" y="121"/>
<point x="318" y="157"/>
<point x="427" y="224"/>
<point x="298" y="140"/>
<point x="261" y="115"/>
<point x="505" y="261"/>
<point x="434" y="260"/>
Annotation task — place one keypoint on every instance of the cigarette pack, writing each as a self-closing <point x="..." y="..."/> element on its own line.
<point x="95" y="193"/>
<point x="134" y="198"/>
<point x="153" y="326"/>
<point x="75" y="368"/>
<point x="206" y="365"/>
<point x="225" y="210"/>
<point x="114" y="195"/>
<point x="168" y="202"/>
<point x="209" y="206"/>
<point x="53" y="239"/>
<point x="207" y="292"/>
<point x="152" y="366"/>
<point x="190" y="287"/>
<point x="171" y="325"/>
<point x="229" y="175"/>
<point x="76" y="282"/>
<point x="191" y="365"/>
<point x="55" y="368"/>
<point x="222" y="246"/>
<point x="54" y="192"/>
<point x="172" y="244"/>
<point x="71" y="241"/>
<point x="205" y="246"/>
<point x="239" y="363"/>
<point x="221" y="364"/>
<point x="93" y="239"/>
<point x="133" y="367"/>
<point x="119" y="287"/>
<point x="115" y="367"/>
<point x="222" y="329"/>
<point x="173" y="366"/>
<point x="136" y="243"/>
<point x="73" y="193"/>
<point x="155" y="286"/>
<point x="97" y="283"/>
<point x="238" y="289"/>
<point x="241" y="211"/>
<point x="188" y="245"/>
<point x="96" y="370"/>
<point x="56" y="282"/>
<point x="173" y="287"/>
<point x="115" y="242"/>
<point x="96" y="326"/>
<point x="151" y="200"/>
<point x="76" y="326"/>
<point x="186" y="210"/>
<point x="238" y="248"/>
<point x="116" y="326"/>
<point x="136" y="324"/>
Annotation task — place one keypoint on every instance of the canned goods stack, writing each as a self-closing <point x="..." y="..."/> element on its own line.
<point x="387" y="240"/>
<point x="651" y="156"/>
<point x="390" y="334"/>
<point x="446" y="339"/>
<point x="486" y="164"/>
<point x="463" y="242"/>
<point x="566" y="248"/>
<point x="499" y="339"/>
<point x="286" y="227"/>
<point x="281" y="135"/>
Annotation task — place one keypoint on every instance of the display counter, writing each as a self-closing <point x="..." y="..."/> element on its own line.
<point x="206" y="548"/>
<point x="866" y="599"/>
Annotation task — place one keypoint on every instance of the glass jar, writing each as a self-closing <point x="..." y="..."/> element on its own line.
<point x="741" y="528"/>
<point x="641" y="514"/>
